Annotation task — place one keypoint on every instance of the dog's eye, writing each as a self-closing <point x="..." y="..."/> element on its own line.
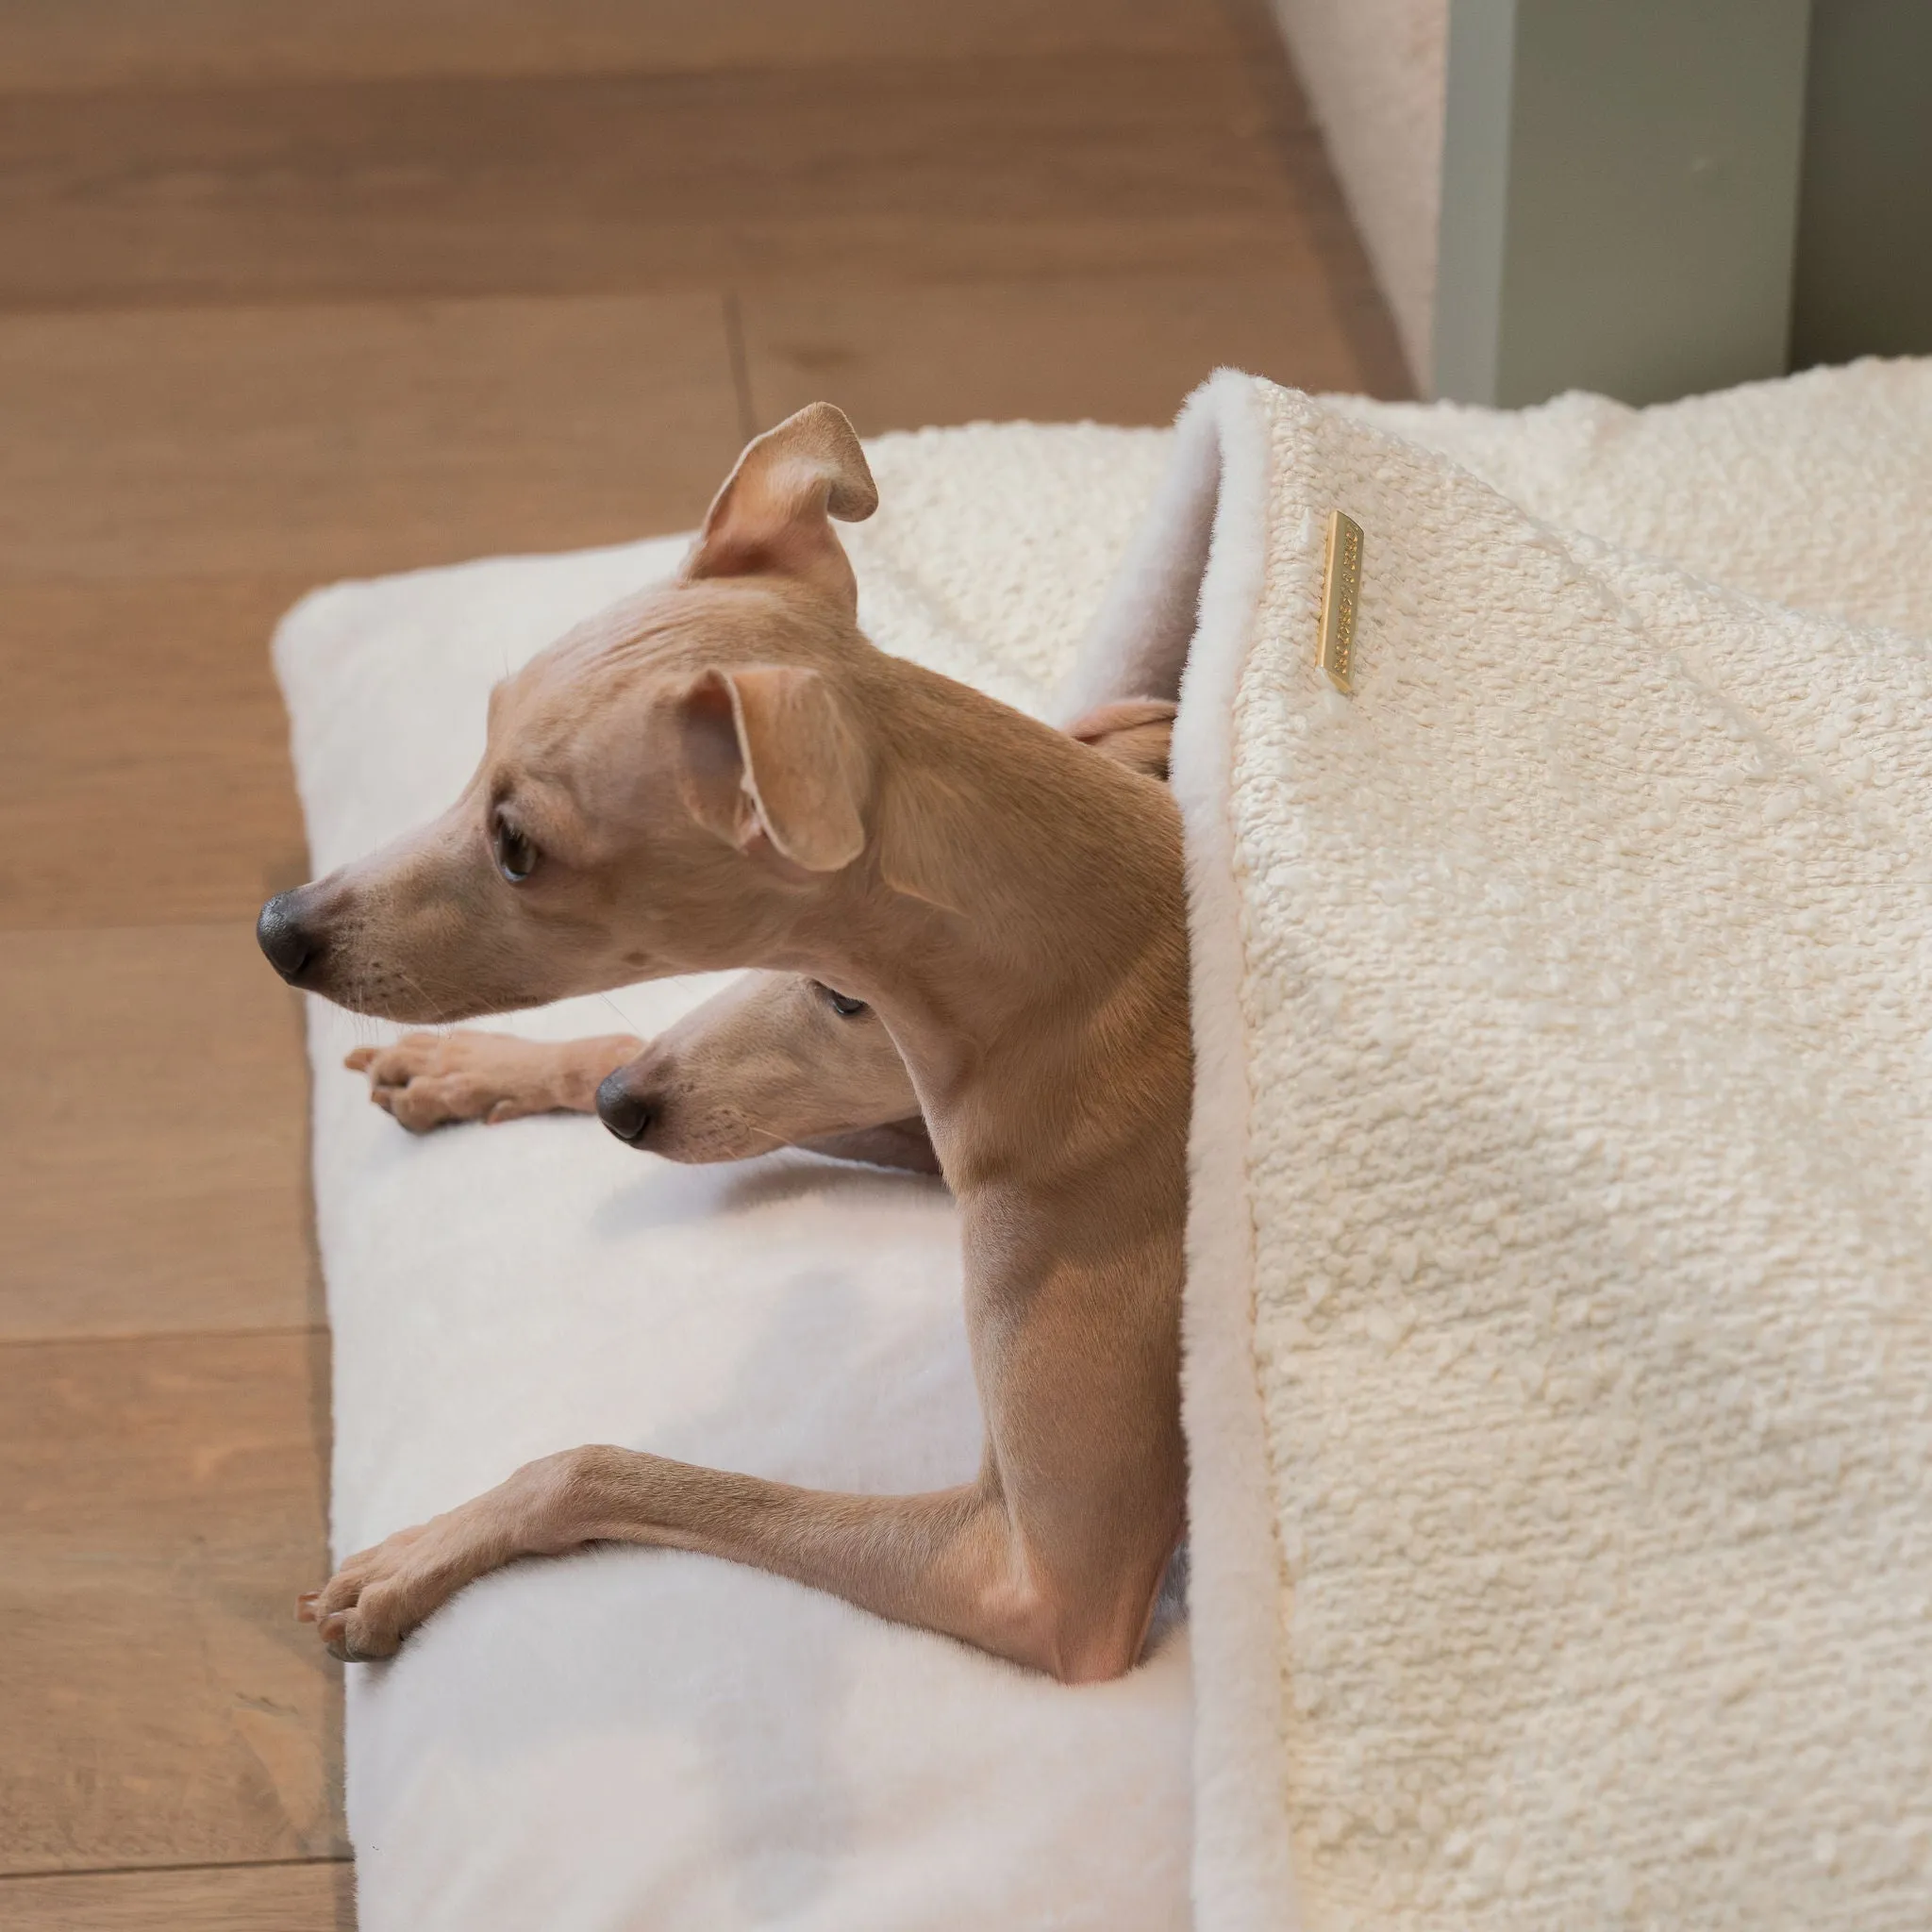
<point x="843" y="1004"/>
<point x="516" y="856"/>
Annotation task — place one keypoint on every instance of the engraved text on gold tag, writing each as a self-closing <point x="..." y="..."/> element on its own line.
<point x="1342" y="585"/>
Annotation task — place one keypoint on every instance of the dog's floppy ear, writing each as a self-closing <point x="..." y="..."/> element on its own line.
<point x="767" y="750"/>
<point x="1136" y="732"/>
<point x="773" y="516"/>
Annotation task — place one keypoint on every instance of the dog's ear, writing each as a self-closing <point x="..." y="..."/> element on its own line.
<point x="1137" y="732"/>
<point x="773" y="516"/>
<point x="768" y="752"/>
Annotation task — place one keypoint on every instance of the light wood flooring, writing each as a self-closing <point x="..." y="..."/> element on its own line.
<point x="289" y="293"/>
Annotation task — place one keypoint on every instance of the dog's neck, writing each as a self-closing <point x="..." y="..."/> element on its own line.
<point x="1020" y="926"/>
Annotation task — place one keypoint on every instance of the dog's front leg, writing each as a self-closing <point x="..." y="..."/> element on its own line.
<point x="949" y="1560"/>
<point x="429" y="1080"/>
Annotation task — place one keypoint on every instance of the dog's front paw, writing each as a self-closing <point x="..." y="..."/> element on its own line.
<point x="429" y="1080"/>
<point x="379" y="1595"/>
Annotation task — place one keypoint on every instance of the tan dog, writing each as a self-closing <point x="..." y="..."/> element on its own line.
<point x="776" y="1059"/>
<point x="725" y="772"/>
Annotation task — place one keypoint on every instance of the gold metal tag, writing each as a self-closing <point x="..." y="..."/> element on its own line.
<point x="1342" y="585"/>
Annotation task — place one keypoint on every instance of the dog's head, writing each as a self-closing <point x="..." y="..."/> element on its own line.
<point x="664" y="789"/>
<point x="773" y="1059"/>
<point x="778" y="1059"/>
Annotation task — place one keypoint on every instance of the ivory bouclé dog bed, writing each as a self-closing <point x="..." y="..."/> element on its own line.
<point x="1559" y="1316"/>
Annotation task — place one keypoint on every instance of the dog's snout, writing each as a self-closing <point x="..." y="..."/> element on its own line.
<point x="291" y="946"/>
<point x="627" y="1113"/>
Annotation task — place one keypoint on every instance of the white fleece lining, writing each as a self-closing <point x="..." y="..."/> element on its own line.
<point x="1243" y="1879"/>
<point x="1137" y="645"/>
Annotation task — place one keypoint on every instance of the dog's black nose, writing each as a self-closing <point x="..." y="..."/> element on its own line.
<point x="288" y="945"/>
<point x="627" y="1114"/>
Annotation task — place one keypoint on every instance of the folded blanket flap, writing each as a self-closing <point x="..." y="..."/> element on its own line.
<point x="1580" y="951"/>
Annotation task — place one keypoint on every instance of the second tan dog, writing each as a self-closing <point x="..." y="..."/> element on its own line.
<point x="725" y="772"/>
<point x="774" y="1061"/>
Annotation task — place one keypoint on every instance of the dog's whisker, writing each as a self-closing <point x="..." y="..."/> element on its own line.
<point x="759" y="1124"/>
<point x="629" y="1026"/>
<point x="366" y="1029"/>
<point x="422" y="992"/>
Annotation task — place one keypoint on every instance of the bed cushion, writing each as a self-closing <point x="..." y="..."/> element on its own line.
<point x="648" y="1737"/>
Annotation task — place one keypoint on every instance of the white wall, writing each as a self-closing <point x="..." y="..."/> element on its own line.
<point x="1373" y="70"/>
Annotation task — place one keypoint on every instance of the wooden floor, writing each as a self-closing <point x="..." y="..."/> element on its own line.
<point x="289" y="293"/>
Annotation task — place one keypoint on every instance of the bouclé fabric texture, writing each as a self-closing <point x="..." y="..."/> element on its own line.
<point x="1564" y="1149"/>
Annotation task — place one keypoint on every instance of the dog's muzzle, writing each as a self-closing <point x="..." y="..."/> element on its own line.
<point x="627" y="1114"/>
<point x="293" y="948"/>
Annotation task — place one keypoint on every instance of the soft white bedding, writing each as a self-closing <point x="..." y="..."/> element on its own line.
<point x="648" y="1738"/>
